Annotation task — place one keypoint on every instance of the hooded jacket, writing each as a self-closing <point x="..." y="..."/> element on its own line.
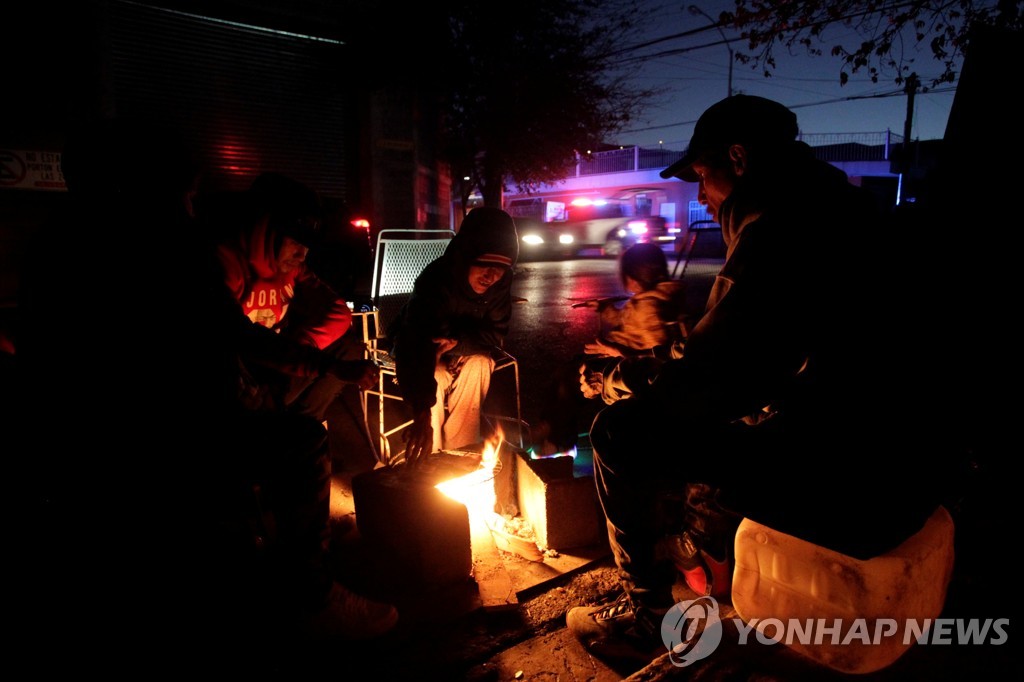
<point x="251" y="272"/>
<point x="298" y="304"/>
<point x="443" y="305"/>
<point x="649" y="318"/>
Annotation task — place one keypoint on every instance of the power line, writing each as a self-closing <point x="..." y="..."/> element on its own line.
<point x="629" y="56"/>
<point x="726" y="41"/>
<point x="669" y="53"/>
<point x="898" y="93"/>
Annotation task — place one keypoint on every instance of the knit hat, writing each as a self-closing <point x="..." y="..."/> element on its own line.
<point x="493" y="259"/>
<point x="489" y="237"/>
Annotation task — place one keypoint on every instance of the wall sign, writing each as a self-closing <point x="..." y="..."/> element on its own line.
<point x="21" y="169"/>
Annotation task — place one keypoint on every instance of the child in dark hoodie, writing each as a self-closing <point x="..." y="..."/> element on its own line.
<point x="458" y="314"/>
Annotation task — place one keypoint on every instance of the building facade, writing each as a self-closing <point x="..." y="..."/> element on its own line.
<point x="249" y="93"/>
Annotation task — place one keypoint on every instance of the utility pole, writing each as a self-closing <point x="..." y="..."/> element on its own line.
<point x="912" y="84"/>
<point x="694" y="10"/>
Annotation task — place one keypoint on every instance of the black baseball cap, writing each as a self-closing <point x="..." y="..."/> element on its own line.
<point x="740" y="119"/>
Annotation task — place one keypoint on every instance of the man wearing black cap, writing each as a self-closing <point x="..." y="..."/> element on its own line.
<point x="793" y="398"/>
<point x="460" y="310"/>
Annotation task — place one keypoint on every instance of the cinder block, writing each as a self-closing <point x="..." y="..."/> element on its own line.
<point x="562" y="509"/>
<point x="401" y="514"/>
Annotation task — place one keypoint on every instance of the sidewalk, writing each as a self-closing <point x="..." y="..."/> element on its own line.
<point x="448" y="636"/>
<point x="445" y="634"/>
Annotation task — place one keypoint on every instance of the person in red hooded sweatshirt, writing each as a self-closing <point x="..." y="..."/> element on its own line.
<point x="293" y="375"/>
<point x="264" y="262"/>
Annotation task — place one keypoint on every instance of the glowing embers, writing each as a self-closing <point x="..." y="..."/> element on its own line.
<point x="491" y="500"/>
<point x="571" y="452"/>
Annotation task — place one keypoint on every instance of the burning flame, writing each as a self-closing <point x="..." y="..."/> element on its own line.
<point x="478" y="492"/>
<point x="475" y="489"/>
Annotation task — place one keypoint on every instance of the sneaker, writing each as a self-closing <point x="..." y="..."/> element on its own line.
<point x="348" y="615"/>
<point x="703" y="573"/>
<point x="623" y="628"/>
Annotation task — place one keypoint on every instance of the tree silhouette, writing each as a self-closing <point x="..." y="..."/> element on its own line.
<point x="885" y="31"/>
<point x="533" y="86"/>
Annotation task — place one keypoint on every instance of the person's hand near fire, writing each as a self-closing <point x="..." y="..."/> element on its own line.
<point x="419" y="436"/>
<point x="591" y="382"/>
<point x="613" y="379"/>
<point x="602" y="349"/>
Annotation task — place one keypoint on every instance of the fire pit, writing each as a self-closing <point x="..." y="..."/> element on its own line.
<point x="445" y="518"/>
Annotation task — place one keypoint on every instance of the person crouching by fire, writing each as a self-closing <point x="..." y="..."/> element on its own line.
<point x="445" y="335"/>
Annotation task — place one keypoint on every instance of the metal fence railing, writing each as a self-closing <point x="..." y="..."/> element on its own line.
<point x="625" y="160"/>
<point x="827" y="147"/>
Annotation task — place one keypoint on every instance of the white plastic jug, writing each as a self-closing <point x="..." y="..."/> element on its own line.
<point x="849" y="615"/>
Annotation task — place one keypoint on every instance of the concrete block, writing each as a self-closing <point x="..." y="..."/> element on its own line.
<point x="562" y="509"/>
<point x="401" y="514"/>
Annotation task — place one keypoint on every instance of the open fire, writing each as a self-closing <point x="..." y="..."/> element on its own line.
<point x="489" y="496"/>
<point x="476" y="489"/>
<point x="447" y="517"/>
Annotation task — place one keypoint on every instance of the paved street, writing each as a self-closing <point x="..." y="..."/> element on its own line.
<point x="546" y="330"/>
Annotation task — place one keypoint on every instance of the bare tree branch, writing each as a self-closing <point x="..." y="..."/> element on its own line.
<point x="888" y="32"/>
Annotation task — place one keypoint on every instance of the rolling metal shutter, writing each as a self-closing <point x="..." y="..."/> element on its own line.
<point x="249" y="99"/>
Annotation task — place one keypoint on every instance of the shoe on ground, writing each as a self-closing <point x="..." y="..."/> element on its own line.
<point x="624" y="628"/>
<point x="351" y="616"/>
<point x="703" y="573"/>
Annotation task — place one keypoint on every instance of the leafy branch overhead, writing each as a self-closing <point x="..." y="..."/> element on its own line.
<point x="886" y="34"/>
<point x="534" y="85"/>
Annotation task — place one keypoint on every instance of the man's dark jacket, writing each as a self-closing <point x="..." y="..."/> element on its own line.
<point x="801" y="390"/>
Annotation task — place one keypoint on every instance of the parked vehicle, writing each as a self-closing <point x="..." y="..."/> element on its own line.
<point x="603" y="226"/>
